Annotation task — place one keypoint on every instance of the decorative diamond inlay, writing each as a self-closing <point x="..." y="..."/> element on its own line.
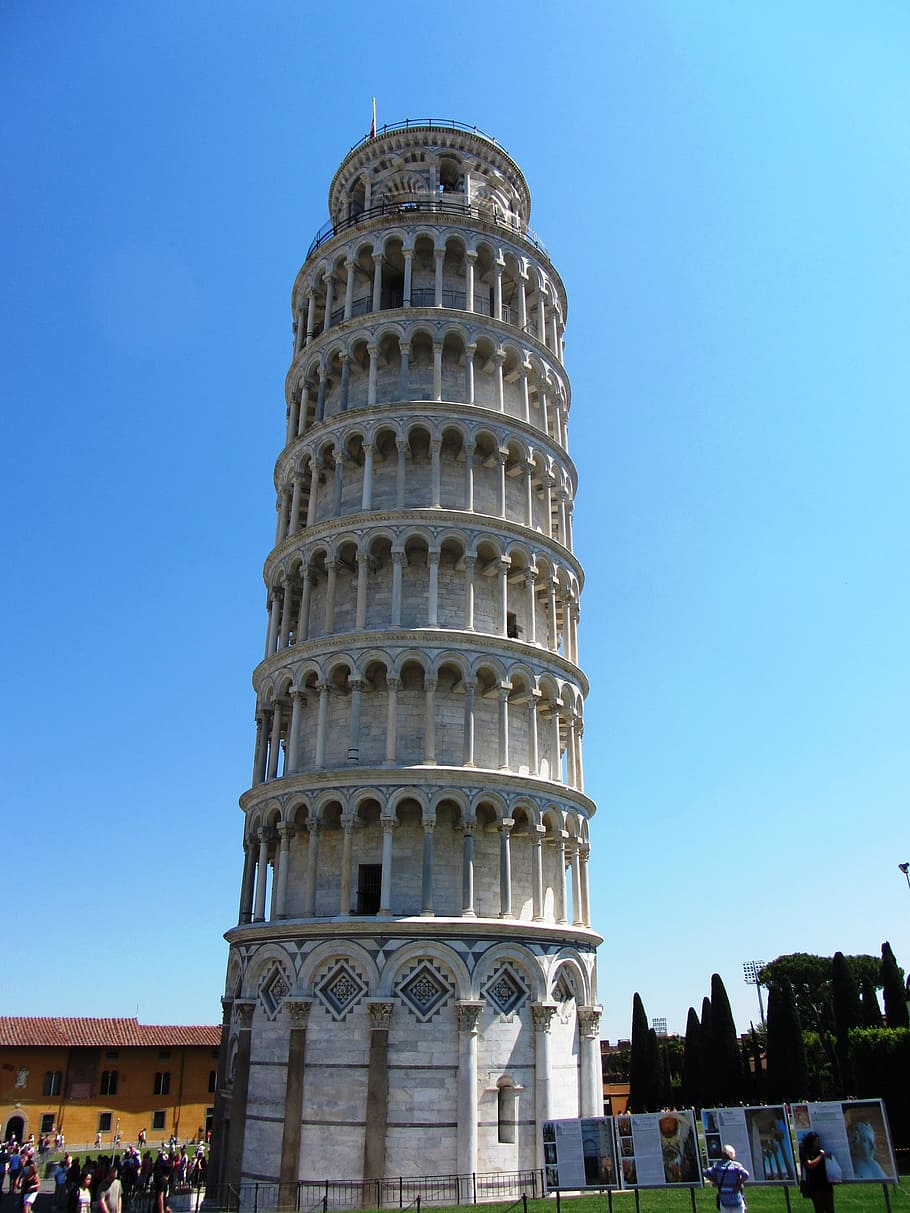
<point x="340" y="991"/>
<point x="272" y="990"/>
<point x="424" y="991"/>
<point x="505" y="990"/>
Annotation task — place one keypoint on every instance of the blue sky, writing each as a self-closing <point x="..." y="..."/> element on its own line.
<point x="724" y="189"/>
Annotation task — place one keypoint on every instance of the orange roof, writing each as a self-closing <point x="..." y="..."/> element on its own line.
<point x="32" y="1031"/>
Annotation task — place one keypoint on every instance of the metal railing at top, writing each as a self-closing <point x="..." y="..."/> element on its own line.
<point x="437" y="205"/>
<point x="449" y="124"/>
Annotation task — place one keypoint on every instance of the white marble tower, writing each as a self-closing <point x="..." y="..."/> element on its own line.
<point x="411" y="982"/>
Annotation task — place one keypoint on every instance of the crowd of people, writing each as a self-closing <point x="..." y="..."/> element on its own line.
<point x="110" y="1183"/>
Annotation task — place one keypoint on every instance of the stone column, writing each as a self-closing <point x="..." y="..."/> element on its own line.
<point x="377" y="281"/>
<point x="541" y="318"/>
<point x="338" y="486"/>
<point x="284" y="635"/>
<point x="310" y="314"/>
<point x="312" y="867"/>
<point x="466" y="1148"/>
<point x="497" y="290"/>
<point x="313" y="499"/>
<point x="504" y="728"/>
<point x="528" y="486"/>
<point x="525" y="399"/>
<point x="469" y="562"/>
<point x="584" y="853"/>
<point x="385" y="895"/>
<point x="501" y="483"/>
<point x="470" y="686"/>
<point x="570" y="750"/>
<point x="397" y="562"/>
<point x="436" y="486"/>
<point x="533" y="759"/>
<point x="469" y="373"/>
<point x="246" y="885"/>
<point x="393" y="685"/>
<point x="366" y="500"/>
<point x="285" y="834"/>
<point x="284" y="506"/>
<point x="548" y="482"/>
<point x="429" y="720"/>
<point x="344" y="906"/>
<point x="544" y="414"/>
<point x="437" y="370"/>
<point x="402" y="447"/>
<point x="260" y="752"/>
<point x="426" y="875"/>
<point x="467" y="870"/>
<point x="523" y="302"/>
<point x="377" y="1108"/>
<point x="322" y="720"/>
<point x="243" y="1009"/>
<point x="363" y="565"/>
<point x="350" y="268"/>
<point x="498" y="360"/>
<point x="503" y="573"/>
<point x="275" y="743"/>
<point x="345" y="360"/>
<point x="331" y="569"/>
<point x="562" y="908"/>
<point x="408" y="255"/>
<point x="542" y="1014"/>
<point x="320" y="392"/>
<point x="259" y="913"/>
<point x="433" y="589"/>
<point x="356" y="688"/>
<point x="297" y="1011"/>
<point x="373" y="351"/>
<point x="537" y="871"/>
<point x="505" y="868"/>
<point x="292" y="754"/>
<point x="577" y="920"/>
<point x="531" y="582"/>
<point x="556" y="774"/>
<point x="553" y="637"/>
<point x="329" y="281"/>
<point x="294" y="520"/>
<point x="298" y="328"/>
<point x="303" y="615"/>
<point x="271" y="637"/>
<point x="470" y="260"/>
<point x="590" y="1086"/>
<point x="404" y="374"/>
<point x="438" y="255"/>
<point x="469" y="448"/>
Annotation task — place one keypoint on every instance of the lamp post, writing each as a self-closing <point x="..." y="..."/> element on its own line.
<point x="750" y="973"/>
<point x="905" y="868"/>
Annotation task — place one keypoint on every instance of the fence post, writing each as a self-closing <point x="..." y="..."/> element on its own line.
<point x="474" y="1185"/>
<point x="256" y="1199"/>
<point x="524" y="1201"/>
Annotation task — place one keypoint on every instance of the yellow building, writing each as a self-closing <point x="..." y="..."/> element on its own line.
<point x="82" y="1077"/>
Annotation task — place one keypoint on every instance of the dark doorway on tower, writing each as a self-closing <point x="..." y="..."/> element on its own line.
<point x="369" y="888"/>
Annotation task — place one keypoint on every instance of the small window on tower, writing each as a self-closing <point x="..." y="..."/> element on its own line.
<point x="369" y="888"/>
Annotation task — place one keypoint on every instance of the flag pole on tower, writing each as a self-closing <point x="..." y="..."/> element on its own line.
<point x="373" y="126"/>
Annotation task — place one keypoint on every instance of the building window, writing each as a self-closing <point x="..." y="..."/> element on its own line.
<point x="162" y="1083"/>
<point x="158" y="1119"/>
<point x="108" y="1082"/>
<point x="52" y="1080"/>
<point x="104" y="1122"/>
<point x="211" y="1080"/>
<point x="112" y="1054"/>
<point x="164" y="1054"/>
<point x="47" y="1123"/>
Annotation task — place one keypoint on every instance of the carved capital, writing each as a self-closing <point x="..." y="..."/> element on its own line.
<point x="297" y="1010"/>
<point x="542" y="1013"/>
<point x="380" y="1015"/>
<point x="589" y="1021"/>
<point x="243" y="1009"/>
<point x="468" y="1015"/>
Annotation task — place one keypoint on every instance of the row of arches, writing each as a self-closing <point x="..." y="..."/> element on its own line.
<point x="387" y="577"/>
<point x="428" y="267"/>
<point x="372" y="709"/>
<point x="425" y="463"/>
<point x="406" y="362"/>
<point x="392" y="854"/>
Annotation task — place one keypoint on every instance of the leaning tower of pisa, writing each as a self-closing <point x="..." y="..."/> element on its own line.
<point x="411" y="981"/>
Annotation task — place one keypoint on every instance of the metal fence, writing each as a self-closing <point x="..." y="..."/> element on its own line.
<point x="401" y="1193"/>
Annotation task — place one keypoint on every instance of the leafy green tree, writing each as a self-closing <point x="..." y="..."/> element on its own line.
<point x="893" y="989"/>
<point x="726" y="1061"/>
<point x="880" y="1057"/>
<point x="692" y="1063"/>
<point x="847" y="1015"/>
<point x="810" y="980"/>
<point x="786" y="1074"/>
<point x="871" y="1011"/>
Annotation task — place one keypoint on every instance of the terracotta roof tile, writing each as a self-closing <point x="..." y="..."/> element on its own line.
<point x="31" y="1031"/>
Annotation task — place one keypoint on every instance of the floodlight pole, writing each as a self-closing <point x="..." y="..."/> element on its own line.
<point x="905" y="868"/>
<point x="750" y="973"/>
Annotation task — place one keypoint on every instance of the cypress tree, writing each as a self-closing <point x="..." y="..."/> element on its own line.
<point x="726" y="1059"/>
<point x="640" y="1082"/>
<point x="708" y="1092"/>
<point x="656" y="1097"/>
<point x="786" y="1072"/>
<point x="847" y="1015"/>
<point x="893" y="991"/>
<point x="871" y="1011"/>
<point x="692" y="1063"/>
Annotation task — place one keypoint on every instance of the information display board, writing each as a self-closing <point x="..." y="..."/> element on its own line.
<point x="759" y="1135"/>
<point x="658" y="1149"/>
<point x="580" y="1154"/>
<point x="856" y="1132"/>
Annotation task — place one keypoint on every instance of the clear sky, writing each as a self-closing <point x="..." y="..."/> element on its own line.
<point x="724" y="189"/>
